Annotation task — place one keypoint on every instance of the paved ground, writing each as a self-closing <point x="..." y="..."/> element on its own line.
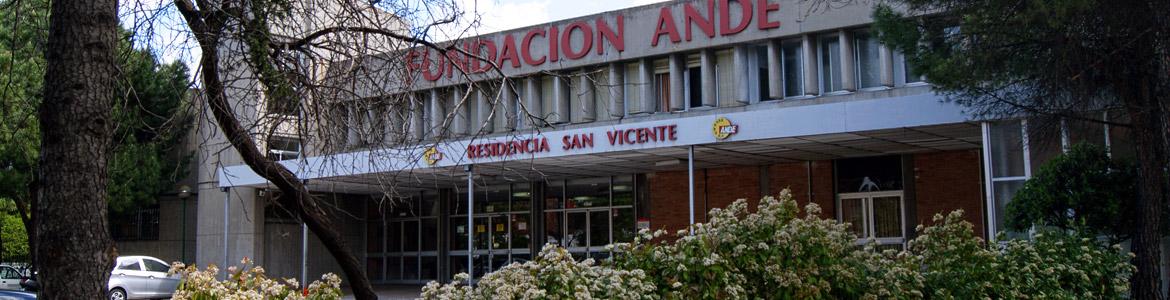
<point x="392" y="292"/>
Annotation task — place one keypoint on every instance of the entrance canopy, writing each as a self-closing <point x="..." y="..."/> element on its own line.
<point x="785" y="131"/>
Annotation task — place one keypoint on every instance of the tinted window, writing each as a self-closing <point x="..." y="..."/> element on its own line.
<point x="156" y="266"/>
<point x="869" y="174"/>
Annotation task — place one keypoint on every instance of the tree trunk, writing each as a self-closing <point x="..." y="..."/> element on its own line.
<point x="208" y="27"/>
<point x="1149" y="119"/>
<point x="73" y="241"/>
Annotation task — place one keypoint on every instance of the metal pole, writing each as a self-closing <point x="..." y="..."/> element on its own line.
<point x="226" y="221"/>
<point x="691" y="184"/>
<point x="470" y="229"/>
<point x="304" y="253"/>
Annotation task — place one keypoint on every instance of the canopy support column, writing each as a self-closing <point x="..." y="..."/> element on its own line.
<point x="470" y="242"/>
<point x="691" y="185"/>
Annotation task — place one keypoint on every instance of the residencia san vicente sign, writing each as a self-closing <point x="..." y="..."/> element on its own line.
<point x="601" y="38"/>
<point x="590" y="140"/>
<point x="574" y="141"/>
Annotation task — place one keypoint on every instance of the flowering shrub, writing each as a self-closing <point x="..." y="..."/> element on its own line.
<point x="773" y="253"/>
<point x="1053" y="265"/>
<point x="552" y="275"/>
<point x="249" y="283"/>
<point x="778" y="253"/>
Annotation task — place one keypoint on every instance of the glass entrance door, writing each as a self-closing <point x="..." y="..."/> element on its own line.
<point x="492" y="243"/>
<point x="587" y="231"/>
<point x="875" y="215"/>
<point x="500" y="229"/>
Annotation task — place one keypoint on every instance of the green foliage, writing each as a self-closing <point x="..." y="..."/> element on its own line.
<point x="1083" y="189"/>
<point x="1012" y="58"/>
<point x="151" y="123"/>
<point x="12" y="232"/>
<point x="1054" y="265"/>
<point x="21" y="72"/>
<point x="149" y="111"/>
<point x="777" y="254"/>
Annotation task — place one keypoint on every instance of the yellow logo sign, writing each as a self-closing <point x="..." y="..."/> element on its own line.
<point x="432" y="156"/>
<point x="723" y="128"/>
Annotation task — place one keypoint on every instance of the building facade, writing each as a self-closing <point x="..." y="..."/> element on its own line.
<point x="581" y="132"/>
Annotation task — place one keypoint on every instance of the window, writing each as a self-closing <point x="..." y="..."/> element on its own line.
<point x="129" y="264"/>
<point x="761" y="67"/>
<point x="136" y="224"/>
<point x="694" y="81"/>
<point x="289" y="106"/>
<point x="868" y="66"/>
<point x="407" y="226"/>
<point x="632" y="84"/>
<point x="913" y="74"/>
<point x="547" y="97"/>
<point x="9" y="273"/>
<point x="156" y="266"/>
<point x="1009" y="168"/>
<point x="830" y="61"/>
<point x="875" y="216"/>
<point x="597" y="212"/>
<point x="870" y="194"/>
<point x="500" y="229"/>
<point x="793" y="68"/>
<point x="662" y="91"/>
<point x="283" y="148"/>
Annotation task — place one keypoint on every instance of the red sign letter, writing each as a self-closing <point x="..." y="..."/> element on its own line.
<point x="692" y="17"/>
<point x="526" y="47"/>
<point x="605" y="33"/>
<point x="665" y="26"/>
<point x="509" y="52"/>
<point x="587" y="40"/>
<point x="762" y="14"/>
<point x="725" y="17"/>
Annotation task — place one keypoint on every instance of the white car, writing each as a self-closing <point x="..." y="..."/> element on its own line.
<point x="10" y="278"/>
<point x="141" y="277"/>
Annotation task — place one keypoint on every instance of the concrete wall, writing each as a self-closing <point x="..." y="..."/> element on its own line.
<point x="283" y="240"/>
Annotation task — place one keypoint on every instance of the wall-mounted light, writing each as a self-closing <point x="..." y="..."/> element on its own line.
<point x="184" y="192"/>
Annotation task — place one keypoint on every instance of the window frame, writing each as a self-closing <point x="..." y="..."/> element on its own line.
<point x="868" y="223"/>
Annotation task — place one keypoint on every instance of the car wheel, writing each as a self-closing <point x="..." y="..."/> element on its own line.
<point x="118" y="294"/>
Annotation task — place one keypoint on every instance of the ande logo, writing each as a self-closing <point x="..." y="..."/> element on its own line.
<point x="432" y="156"/>
<point x="723" y="128"/>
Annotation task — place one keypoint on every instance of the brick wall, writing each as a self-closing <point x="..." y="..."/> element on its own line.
<point x="946" y="181"/>
<point x="794" y="176"/>
<point x="668" y="200"/>
<point x="725" y="185"/>
<point x="668" y="194"/>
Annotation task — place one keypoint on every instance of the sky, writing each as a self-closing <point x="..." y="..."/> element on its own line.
<point x="168" y="39"/>
<point x="500" y="15"/>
